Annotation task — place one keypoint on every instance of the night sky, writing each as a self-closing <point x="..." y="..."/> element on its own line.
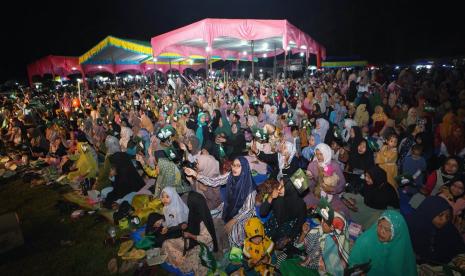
<point x="379" y="31"/>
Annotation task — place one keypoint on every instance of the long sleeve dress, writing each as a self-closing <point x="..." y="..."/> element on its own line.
<point x="237" y="235"/>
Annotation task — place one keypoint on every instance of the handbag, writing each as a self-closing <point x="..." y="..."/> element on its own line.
<point x="300" y="181"/>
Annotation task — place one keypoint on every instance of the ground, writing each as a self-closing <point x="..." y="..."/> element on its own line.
<point x="54" y="244"/>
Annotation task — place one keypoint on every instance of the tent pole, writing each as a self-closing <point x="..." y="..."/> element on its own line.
<point x="253" y="68"/>
<point x="274" y="63"/>
<point x="171" y="72"/>
<point x="285" y="63"/>
<point x="206" y="68"/>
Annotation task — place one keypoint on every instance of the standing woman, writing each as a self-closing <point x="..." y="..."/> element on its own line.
<point x="238" y="196"/>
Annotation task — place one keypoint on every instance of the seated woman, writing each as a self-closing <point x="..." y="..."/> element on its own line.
<point x="386" y="246"/>
<point x="326" y="246"/>
<point x="166" y="171"/>
<point x="435" y="240"/>
<point x="436" y="180"/>
<point x="454" y="192"/>
<point x="125" y="181"/>
<point x="183" y="252"/>
<point x="238" y="197"/>
<point x="288" y="212"/>
<point x="208" y="166"/>
<point x="56" y="153"/>
<point x="235" y="144"/>
<point x="376" y="196"/>
<point x="360" y="160"/>
<point x="315" y="173"/>
<point x="85" y="163"/>
<point x="284" y="162"/>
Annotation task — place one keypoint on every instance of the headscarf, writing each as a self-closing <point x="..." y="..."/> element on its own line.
<point x="327" y="153"/>
<point x="169" y="175"/>
<point x="199" y="212"/>
<point x="361" y="115"/>
<point x="324" y="126"/>
<point x="380" y="194"/>
<point x="411" y="119"/>
<point x="361" y="161"/>
<point x="127" y="178"/>
<point x="309" y="152"/>
<point x="354" y="142"/>
<point x="195" y="144"/>
<point x="237" y="190"/>
<point x="112" y="145"/>
<point x="176" y="212"/>
<point x="208" y="166"/>
<point x="430" y="243"/>
<point x="445" y="128"/>
<point x="200" y="125"/>
<point x="453" y="143"/>
<point x="282" y="159"/>
<point x="226" y="128"/>
<point x="336" y="246"/>
<point x="348" y="124"/>
<point x="395" y="257"/>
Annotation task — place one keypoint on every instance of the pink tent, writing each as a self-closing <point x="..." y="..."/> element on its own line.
<point x="55" y="66"/>
<point x="237" y="39"/>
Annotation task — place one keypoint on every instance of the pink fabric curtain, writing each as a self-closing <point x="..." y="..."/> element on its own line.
<point x="54" y="65"/>
<point x="244" y="29"/>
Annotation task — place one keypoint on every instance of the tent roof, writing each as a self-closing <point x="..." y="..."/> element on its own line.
<point x="232" y="39"/>
<point x="113" y="50"/>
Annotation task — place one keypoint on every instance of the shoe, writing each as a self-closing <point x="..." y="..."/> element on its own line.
<point x="125" y="247"/>
<point x="134" y="254"/>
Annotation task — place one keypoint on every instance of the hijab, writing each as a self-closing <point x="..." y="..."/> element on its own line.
<point x="361" y="161"/>
<point x="380" y="194"/>
<point x="226" y="128"/>
<point x="453" y="143"/>
<point x="208" y="166"/>
<point x="430" y="243"/>
<point x="291" y="150"/>
<point x="445" y="128"/>
<point x="237" y="189"/>
<point x="327" y="154"/>
<point x="200" y="125"/>
<point x="324" y="126"/>
<point x="199" y="212"/>
<point x="395" y="257"/>
<point x="348" y="124"/>
<point x="354" y="141"/>
<point x="127" y="178"/>
<point x="112" y="145"/>
<point x="176" y="212"/>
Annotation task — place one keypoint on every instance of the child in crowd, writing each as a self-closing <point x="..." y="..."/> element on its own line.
<point x="257" y="247"/>
<point x="386" y="158"/>
<point x="415" y="165"/>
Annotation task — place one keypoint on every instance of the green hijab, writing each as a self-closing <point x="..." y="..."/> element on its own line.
<point x="226" y="128"/>
<point x="395" y="257"/>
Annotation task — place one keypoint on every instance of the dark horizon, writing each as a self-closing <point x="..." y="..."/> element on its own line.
<point x="380" y="32"/>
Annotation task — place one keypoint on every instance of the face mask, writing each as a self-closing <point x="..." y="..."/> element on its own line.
<point x="112" y="178"/>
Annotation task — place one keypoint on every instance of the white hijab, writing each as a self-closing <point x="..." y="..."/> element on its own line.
<point x="348" y="124"/>
<point x="327" y="154"/>
<point x="290" y="147"/>
<point x="324" y="126"/>
<point x="176" y="212"/>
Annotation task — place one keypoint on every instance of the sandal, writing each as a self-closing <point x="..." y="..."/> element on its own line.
<point x="125" y="247"/>
<point x="134" y="254"/>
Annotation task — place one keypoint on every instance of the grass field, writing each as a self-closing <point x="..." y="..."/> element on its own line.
<point x="54" y="244"/>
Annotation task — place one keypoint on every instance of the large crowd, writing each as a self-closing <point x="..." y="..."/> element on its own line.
<point x="343" y="171"/>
